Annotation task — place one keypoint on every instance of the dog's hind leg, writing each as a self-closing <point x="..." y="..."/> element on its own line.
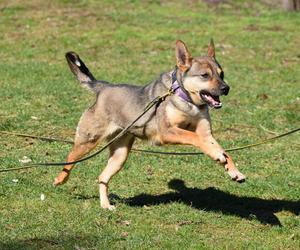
<point x="89" y="133"/>
<point x="78" y="151"/>
<point x="118" y="155"/>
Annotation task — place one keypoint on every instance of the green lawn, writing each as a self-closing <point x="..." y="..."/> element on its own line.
<point x="162" y="202"/>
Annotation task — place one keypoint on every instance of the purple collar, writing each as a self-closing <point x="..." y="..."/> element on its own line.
<point x="178" y="89"/>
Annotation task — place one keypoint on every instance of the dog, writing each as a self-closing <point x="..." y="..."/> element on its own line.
<point x="182" y="118"/>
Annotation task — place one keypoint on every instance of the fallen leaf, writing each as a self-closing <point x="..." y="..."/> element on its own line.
<point x="25" y="159"/>
<point x="263" y="96"/>
<point x="126" y="222"/>
<point x="124" y="234"/>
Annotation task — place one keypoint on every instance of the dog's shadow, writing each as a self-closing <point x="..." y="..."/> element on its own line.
<point x="212" y="199"/>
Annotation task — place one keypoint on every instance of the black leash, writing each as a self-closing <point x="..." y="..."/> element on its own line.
<point x="135" y="150"/>
<point x="155" y="101"/>
<point x="228" y="150"/>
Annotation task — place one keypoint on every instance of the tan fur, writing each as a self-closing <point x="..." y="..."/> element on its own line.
<point x="174" y="121"/>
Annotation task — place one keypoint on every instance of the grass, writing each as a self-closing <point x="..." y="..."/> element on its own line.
<point x="162" y="202"/>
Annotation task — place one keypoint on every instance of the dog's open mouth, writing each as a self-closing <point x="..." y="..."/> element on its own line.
<point x="212" y="100"/>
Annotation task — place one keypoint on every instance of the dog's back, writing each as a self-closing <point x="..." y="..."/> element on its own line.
<point x="119" y="104"/>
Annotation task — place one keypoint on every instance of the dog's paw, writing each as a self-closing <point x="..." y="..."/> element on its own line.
<point x="57" y="182"/>
<point x="108" y="207"/>
<point x="60" y="179"/>
<point x="236" y="175"/>
<point x="111" y="208"/>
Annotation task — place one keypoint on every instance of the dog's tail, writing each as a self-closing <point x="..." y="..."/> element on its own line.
<point x="79" y="69"/>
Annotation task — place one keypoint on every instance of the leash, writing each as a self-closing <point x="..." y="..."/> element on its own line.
<point x="42" y="138"/>
<point x="228" y="150"/>
<point x="135" y="150"/>
<point x="177" y="89"/>
<point x="155" y="101"/>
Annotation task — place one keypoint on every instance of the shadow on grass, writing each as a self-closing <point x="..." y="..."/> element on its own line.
<point x="63" y="242"/>
<point x="212" y="199"/>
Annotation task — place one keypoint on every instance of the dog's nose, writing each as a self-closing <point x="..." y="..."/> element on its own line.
<point x="225" y="89"/>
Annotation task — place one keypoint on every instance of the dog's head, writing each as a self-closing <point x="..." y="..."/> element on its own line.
<point x="202" y="77"/>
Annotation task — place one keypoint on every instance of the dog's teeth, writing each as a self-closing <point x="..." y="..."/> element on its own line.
<point x="77" y="63"/>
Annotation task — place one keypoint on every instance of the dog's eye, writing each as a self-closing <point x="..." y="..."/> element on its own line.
<point x="204" y="75"/>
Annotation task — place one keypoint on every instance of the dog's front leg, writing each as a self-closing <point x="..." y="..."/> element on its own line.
<point x="204" y="140"/>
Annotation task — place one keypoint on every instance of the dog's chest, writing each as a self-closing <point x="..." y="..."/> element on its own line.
<point x="184" y="115"/>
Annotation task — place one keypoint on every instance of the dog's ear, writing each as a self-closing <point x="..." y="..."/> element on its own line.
<point x="183" y="56"/>
<point x="211" y="49"/>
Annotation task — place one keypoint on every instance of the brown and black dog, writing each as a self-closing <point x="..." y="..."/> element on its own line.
<point x="183" y="118"/>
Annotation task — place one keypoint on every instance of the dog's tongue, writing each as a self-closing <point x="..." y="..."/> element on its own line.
<point x="213" y="100"/>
